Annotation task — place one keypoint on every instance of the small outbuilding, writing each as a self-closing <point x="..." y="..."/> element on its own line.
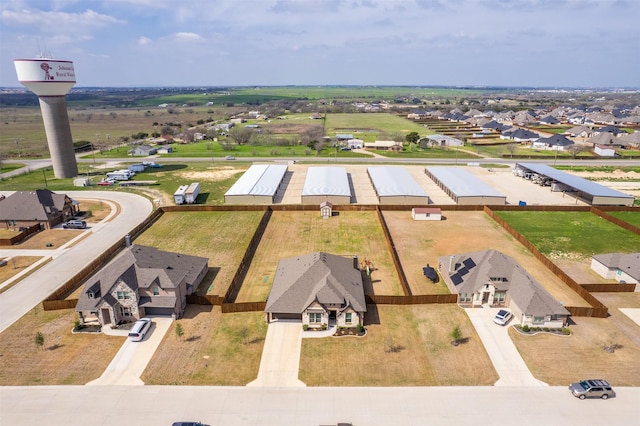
<point x="426" y="213"/>
<point x="326" y="209"/>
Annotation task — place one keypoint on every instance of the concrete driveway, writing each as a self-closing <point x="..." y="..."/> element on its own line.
<point x="280" y="356"/>
<point x="503" y="353"/>
<point x="132" y="358"/>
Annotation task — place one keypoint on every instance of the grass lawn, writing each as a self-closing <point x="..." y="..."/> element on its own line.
<point x="14" y="266"/>
<point x="371" y="127"/>
<point x="215" y="350"/>
<point x="630" y="217"/>
<point x="222" y="237"/>
<point x="65" y="358"/>
<point x="292" y="233"/>
<point x="561" y="360"/>
<point x="424" y="355"/>
<point x="571" y="234"/>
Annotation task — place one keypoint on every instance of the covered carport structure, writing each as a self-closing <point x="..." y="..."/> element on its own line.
<point x="395" y="186"/>
<point x="326" y="184"/>
<point x="591" y="192"/>
<point x="258" y="185"/>
<point x="463" y="187"/>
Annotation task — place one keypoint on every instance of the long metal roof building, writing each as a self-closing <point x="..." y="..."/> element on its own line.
<point x="591" y="192"/>
<point x="394" y="185"/>
<point x="258" y="185"/>
<point x="326" y="184"/>
<point x="463" y="187"/>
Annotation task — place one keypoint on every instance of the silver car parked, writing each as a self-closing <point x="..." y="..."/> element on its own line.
<point x="595" y="388"/>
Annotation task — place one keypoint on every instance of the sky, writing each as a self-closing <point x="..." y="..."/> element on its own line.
<point x="187" y="43"/>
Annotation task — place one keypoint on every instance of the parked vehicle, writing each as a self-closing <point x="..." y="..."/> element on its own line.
<point x="120" y="175"/>
<point x="192" y="192"/>
<point x="75" y="224"/>
<point x="502" y="317"/>
<point x="139" y="329"/>
<point x="106" y="182"/>
<point x="593" y="388"/>
<point x="178" y="196"/>
<point x="136" y="168"/>
<point x="187" y="424"/>
<point x="229" y="157"/>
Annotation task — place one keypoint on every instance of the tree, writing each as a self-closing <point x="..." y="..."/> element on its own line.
<point x="241" y="135"/>
<point x="512" y="147"/>
<point x="456" y="335"/>
<point x="243" y="333"/>
<point x="39" y="340"/>
<point x="179" y="331"/>
<point x="412" y="137"/>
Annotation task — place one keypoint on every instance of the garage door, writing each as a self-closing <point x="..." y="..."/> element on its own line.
<point x="297" y="317"/>
<point x="158" y="311"/>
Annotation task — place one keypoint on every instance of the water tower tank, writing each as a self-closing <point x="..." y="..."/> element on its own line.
<point x="51" y="80"/>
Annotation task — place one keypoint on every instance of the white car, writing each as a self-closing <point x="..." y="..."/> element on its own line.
<point x="502" y="317"/>
<point x="139" y="329"/>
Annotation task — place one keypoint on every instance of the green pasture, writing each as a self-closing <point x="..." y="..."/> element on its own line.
<point x="559" y="234"/>
<point x="372" y="127"/>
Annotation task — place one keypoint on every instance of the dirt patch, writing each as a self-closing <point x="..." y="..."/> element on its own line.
<point x="214" y="174"/>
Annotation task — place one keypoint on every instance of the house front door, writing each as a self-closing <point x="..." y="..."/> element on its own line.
<point x="106" y="318"/>
<point x="485" y="297"/>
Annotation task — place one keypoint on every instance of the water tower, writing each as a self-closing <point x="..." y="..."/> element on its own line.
<point x="51" y="80"/>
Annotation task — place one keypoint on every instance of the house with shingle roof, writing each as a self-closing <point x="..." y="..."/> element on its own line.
<point x="28" y="208"/>
<point x="622" y="267"/>
<point x="520" y="135"/>
<point x="490" y="277"/>
<point x="554" y="142"/>
<point x="317" y="288"/>
<point x="141" y="281"/>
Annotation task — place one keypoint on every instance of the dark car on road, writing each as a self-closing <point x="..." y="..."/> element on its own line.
<point x="595" y="388"/>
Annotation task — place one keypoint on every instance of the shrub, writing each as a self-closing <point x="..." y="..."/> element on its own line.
<point x="305" y="327"/>
<point x="76" y="325"/>
<point x="565" y="330"/>
<point x="360" y="328"/>
<point x="324" y="326"/>
<point x="546" y="328"/>
<point x="456" y="334"/>
<point x="525" y="328"/>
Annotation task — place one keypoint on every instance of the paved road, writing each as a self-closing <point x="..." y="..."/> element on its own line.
<point x="19" y="299"/>
<point x="230" y="406"/>
<point x="280" y="356"/>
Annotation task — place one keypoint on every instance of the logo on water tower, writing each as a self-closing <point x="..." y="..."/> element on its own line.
<point x="46" y="67"/>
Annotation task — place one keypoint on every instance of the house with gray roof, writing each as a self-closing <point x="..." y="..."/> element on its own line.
<point x="28" y="208"/>
<point x="317" y="288"/>
<point x="622" y="267"/>
<point x="490" y="277"/>
<point x="141" y="281"/>
<point x="554" y="142"/>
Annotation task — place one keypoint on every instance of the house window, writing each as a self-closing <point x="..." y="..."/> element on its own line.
<point x="120" y="295"/>
<point x="499" y="297"/>
<point x="538" y="320"/>
<point x="347" y="318"/>
<point x="156" y="291"/>
<point x="127" y="295"/>
<point x="124" y="311"/>
<point x="315" y="317"/>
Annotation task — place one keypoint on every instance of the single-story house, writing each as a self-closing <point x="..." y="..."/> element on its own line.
<point x="440" y="140"/>
<point x="622" y="267"/>
<point x="489" y="277"/>
<point x="141" y="281"/>
<point x="28" y="208"/>
<point x="143" y="150"/>
<point x="165" y="149"/>
<point x="317" y="288"/>
<point x="555" y="142"/>
<point x="426" y="213"/>
<point x="520" y="135"/>
<point x="355" y="143"/>
<point x="388" y="145"/>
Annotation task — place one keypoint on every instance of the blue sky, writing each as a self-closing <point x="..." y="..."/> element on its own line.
<point x="123" y="43"/>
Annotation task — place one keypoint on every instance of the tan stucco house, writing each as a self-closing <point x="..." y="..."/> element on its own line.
<point x="317" y="288"/>
<point x="492" y="278"/>
<point x="141" y="281"/>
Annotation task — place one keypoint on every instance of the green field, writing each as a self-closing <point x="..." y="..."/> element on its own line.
<point x="630" y="217"/>
<point x="584" y="234"/>
<point x="372" y="127"/>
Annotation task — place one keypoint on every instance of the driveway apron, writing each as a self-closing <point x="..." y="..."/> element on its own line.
<point x="280" y="356"/>
<point x="132" y="358"/>
<point x="503" y="353"/>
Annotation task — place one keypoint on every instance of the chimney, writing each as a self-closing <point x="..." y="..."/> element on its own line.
<point x="127" y="240"/>
<point x="355" y="262"/>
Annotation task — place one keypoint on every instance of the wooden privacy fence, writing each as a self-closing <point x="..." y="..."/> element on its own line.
<point x="213" y="300"/>
<point x="241" y="272"/>
<point x="394" y="254"/>
<point x="230" y="308"/>
<point x="597" y="309"/>
<point x="21" y="236"/>
<point x="621" y="223"/>
<point x="54" y="305"/>
<point x="422" y="299"/>
<point x="609" y="288"/>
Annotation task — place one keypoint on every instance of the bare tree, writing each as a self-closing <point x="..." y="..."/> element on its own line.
<point x="241" y="135"/>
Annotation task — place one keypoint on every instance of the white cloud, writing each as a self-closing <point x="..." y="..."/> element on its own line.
<point x="143" y="41"/>
<point x="58" y="22"/>
<point x="182" y="36"/>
